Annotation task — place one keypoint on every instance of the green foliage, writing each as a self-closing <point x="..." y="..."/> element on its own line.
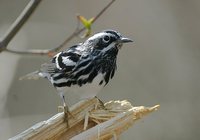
<point x="87" y="24"/>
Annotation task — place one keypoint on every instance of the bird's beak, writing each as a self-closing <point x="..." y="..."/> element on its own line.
<point x="125" y="40"/>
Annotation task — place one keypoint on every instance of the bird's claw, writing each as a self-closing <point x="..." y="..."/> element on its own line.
<point x="67" y="113"/>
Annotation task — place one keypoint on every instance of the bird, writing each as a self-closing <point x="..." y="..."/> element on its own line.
<point x="83" y="69"/>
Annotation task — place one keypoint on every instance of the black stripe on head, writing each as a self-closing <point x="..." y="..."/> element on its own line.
<point x="113" y="36"/>
<point x="115" y="33"/>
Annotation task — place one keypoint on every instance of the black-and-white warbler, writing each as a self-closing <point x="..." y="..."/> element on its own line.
<point x="86" y="67"/>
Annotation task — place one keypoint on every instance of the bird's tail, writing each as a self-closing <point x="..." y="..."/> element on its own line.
<point x="31" y="76"/>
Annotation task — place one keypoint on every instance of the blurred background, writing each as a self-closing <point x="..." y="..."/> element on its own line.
<point x="162" y="67"/>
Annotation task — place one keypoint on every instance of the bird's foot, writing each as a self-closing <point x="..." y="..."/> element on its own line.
<point x="100" y="104"/>
<point x="67" y="113"/>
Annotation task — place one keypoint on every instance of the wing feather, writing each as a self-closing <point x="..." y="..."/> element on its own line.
<point x="63" y="62"/>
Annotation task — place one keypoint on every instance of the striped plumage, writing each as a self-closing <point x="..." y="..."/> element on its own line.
<point x="85" y="68"/>
<point x="77" y="69"/>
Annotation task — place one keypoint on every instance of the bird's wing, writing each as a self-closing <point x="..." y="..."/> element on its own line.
<point x="63" y="62"/>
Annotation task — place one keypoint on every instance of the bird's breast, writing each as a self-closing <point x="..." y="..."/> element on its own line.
<point x="86" y="90"/>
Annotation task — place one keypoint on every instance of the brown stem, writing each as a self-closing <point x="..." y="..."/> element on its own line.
<point x="18" y="23"/>
<point x="103" y="10"/>
<point x="50" y="52"/>
<point x="29" y="52"/>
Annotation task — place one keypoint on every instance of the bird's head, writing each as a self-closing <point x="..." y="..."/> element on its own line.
<point x="106" y="41"/>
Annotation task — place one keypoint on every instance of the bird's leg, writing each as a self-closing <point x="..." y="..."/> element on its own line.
<point x="66" y="110"/>
<point x="101" y="103"/>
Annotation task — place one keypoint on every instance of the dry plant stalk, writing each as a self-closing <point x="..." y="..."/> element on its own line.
<point x="90" y="121"/>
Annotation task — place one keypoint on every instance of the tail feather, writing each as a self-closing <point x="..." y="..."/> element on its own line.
<point x="45" y="72"/>
<point x="31" y="76"/>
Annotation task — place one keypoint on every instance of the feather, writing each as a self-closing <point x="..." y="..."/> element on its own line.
<point x="31" y="76"/>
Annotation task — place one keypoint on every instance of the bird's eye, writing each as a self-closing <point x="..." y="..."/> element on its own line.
<point x="106" y="39"/>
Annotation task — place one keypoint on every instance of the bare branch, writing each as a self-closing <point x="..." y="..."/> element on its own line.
<point x="103" y="10"/>
<point x="29" y="52"/>
<point x="19" y="22"/>
<point x="52" y="51"/>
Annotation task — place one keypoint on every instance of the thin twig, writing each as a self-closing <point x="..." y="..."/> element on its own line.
<point x="18" y="23"/>
<point x="51" y="52"/>
<point x="102" y="11"/>
<point x="29" y="52"/>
